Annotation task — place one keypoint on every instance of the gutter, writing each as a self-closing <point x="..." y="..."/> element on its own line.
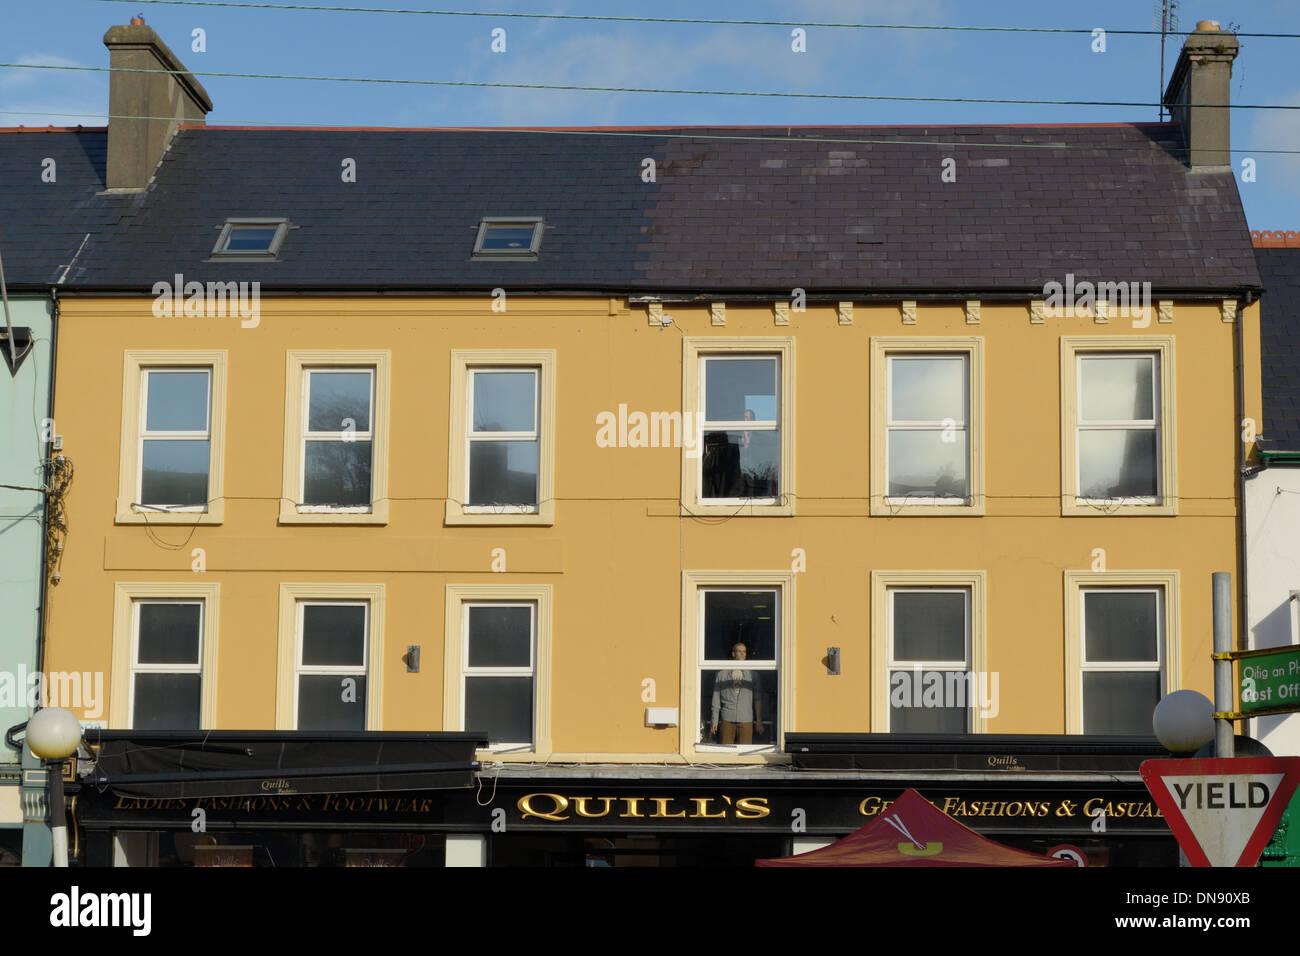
<point x="1243" y="474"/>
<point x="1278" y="457"/>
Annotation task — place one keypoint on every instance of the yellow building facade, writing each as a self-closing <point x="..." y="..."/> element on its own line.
<point x="616" y="558"/>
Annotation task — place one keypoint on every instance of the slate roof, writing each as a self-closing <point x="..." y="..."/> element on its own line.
<point x="744" y="210"/>
<point x="1279" y="340"/>
<point x="42" y="224"/>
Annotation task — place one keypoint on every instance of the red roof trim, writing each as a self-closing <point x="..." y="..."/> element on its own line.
<point x="1275" y="239"/>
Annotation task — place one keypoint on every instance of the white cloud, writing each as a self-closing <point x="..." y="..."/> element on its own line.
<point x="584" y="60"/>
<point x="680" y="56"/>
<point x="722" y="58"/>
<point x="13" y="77"/>
<point x="1275" y="129"/>
<point x="52" y="97"/>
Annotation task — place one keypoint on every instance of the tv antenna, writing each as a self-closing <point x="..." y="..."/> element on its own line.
<point x="1166" y="21"/>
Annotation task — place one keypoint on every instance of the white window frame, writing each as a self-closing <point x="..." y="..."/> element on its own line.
<point x="883" y="350"/>
<point x="695" y="350"/>
<point x="882" y="635"/>
<point x="1120" y="667"/>
<point x="694" y="583"/>
<point x="135" y="364"/>
<point x="471" y="436"/>
<point x="704" y="664"/>
<point x="456" y="653"/>
<point x="125" y="645"/>
<point x="138" y="668"/>
<point x="1121" y="425"/>
<point x="1168" y="647"/>
<point x="146" y="435"/>
<point x="1073" y="349"/>
<point x="894" y="664"/>
<point x="289" y="645"/>
<point x="298" y="362"/>
<point x="307" y="435"/>
<point x="960" y="427"/>
<point x="463" y="362"/>
<point x="722" y="425"/>
<point x="530" y="671"/>
<point x="327" y="670"/>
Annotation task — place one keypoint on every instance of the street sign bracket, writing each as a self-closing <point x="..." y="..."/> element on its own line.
<point x="1254" y="652"/>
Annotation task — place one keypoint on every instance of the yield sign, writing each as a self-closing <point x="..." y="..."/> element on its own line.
<point x="1222" y="809"/>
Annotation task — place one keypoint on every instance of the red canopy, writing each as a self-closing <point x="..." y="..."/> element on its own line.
<point x="914" y="832"/>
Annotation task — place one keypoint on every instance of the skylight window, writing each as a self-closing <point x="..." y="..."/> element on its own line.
<point x="500" y="238"/>
<point x="250" y="238"/>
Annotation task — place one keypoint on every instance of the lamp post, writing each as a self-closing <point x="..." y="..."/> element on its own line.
<point x="1183" y="723"/>
<point x="53" y="734"/>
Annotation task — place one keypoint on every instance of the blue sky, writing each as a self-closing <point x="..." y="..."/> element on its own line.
<point x="677" y="56"/>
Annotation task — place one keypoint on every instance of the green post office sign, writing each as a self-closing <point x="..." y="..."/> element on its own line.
<point x="1270" y="682"/>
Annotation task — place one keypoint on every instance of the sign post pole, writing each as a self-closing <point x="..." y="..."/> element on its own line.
<point x="1223" y="701"/>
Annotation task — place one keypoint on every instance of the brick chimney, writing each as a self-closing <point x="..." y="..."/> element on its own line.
<point x="1197" y="95"/>
<point x="135" y="146"/>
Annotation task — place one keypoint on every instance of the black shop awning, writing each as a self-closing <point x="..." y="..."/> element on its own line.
<point x="183" y="764"/>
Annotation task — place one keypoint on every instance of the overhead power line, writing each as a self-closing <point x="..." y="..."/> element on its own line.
<point x="856" y="97"/>
<point x="664" y="132"/>
<point x="705" y="21"/>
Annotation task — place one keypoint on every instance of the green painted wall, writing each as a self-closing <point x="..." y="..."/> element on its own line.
<point x="24" y="404"/>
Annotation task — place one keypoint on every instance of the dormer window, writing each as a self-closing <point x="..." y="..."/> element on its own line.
<point x="250" y="239"/>
<point x="500" y="238"/>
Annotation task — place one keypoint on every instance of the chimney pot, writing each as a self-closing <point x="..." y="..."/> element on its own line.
<point x="1207" y="26"/>
<point x="137" y="20"/>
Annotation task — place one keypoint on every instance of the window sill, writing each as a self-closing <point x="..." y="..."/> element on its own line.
<point x="293" y="514"/>
<point x="1073" y="507"/>
<point x="457" y="514"/>
<point x="740" y="507"/>
<point x="891" y="507"/>
<point x="129" y="514"/>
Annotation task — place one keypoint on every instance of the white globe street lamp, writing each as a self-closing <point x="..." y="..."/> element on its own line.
<point x="1184" y="721"/>
<point x="53" y="735"/>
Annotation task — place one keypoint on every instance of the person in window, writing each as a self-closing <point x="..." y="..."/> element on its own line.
<point x="737" y="701"/>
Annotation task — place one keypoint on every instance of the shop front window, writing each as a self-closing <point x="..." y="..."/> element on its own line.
<point x="278" y="848"/>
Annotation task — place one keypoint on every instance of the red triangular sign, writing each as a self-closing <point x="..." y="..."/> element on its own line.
<point x="1222" y="809"/>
